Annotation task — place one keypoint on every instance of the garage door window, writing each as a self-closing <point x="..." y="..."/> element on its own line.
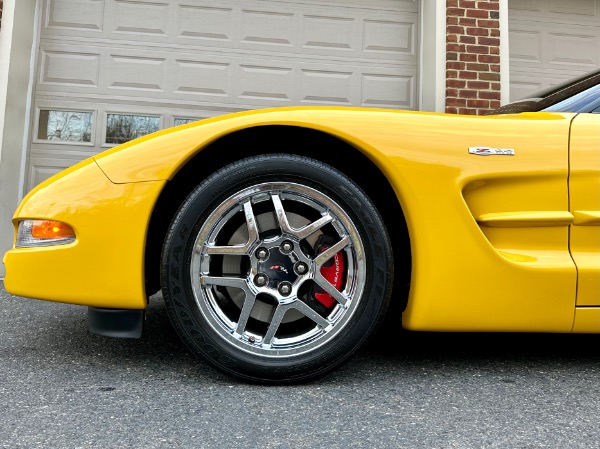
<point x="121" y="128"/>
<point x="65" y="126"/>
<point x="182" y="121"/>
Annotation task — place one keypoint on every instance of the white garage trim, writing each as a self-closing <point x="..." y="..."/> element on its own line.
<point x="432" y="59"/>
<point x="17" y="53"/>
<point x="504" y="54"/>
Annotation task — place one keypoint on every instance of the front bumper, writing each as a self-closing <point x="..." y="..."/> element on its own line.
<point x="104" y="267"/>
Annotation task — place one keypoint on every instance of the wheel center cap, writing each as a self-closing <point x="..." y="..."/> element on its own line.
<point x="279" y="267"/>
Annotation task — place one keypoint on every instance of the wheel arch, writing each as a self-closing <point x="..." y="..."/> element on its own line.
<point x="293" y="140"/>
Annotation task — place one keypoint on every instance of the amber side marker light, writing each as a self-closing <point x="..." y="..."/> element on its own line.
<point x="43" y="233"/>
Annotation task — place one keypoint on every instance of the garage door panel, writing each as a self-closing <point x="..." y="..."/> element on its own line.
<point x="525" y="46"/>
<point x="63" y="66"/>
<point x="322" y="29"/>
<point x="574" y="48"/>
<point x="146" y="18"/>
<point x="159" y="63"/>
<point x="136" y="72"/>
<point x="584" y="12"/>
<point x="226" y="77"/>
<point x="202" y="77"/>
<point x="75" y="15"/>
<point x="550" y="42"/>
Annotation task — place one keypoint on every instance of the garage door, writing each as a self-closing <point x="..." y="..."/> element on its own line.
<point x="551" y="41"/>
<point x="112" y="70"/>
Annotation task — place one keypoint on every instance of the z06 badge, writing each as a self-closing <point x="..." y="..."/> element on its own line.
<point x="487" y="151"/>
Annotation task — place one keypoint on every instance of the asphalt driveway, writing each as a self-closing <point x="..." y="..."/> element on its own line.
<point x="61" y="387"/>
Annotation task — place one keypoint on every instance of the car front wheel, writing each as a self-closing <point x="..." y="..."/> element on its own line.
<point x="276" y="269"/>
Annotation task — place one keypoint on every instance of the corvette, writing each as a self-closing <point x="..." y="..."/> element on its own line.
<point x="279" y="237"/>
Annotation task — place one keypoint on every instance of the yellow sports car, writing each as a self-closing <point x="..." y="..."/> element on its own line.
<point x="279" y="237"/>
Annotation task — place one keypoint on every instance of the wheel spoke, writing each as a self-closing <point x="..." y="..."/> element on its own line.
<point x="245" y="313"/>
<point x="239" y="249"/>
<point x="225" y="282"/>
<point x="310" y="313"/>
<point x="240" y="283"/>
<point x="274" y="324"/>
<point x="334" y="292"/>
<point x="300" y="233"/>
<point x="280" y="312"/>
<point x="331" y="251"/>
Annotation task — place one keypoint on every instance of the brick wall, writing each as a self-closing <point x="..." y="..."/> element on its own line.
<point x="473" y="56"/>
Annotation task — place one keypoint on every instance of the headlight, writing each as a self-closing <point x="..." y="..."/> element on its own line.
<point x="43" y="233"/>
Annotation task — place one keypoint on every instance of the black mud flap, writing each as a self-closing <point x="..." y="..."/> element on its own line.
<point x="120" y="323"/>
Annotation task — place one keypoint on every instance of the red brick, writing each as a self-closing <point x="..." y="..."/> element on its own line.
<point x="467" y="21"/>
<point x="451" y="56"/>
<point x="451" y="92"/>
<point x="468" y="39"/>
<point x="477" y="31"/>
<point x="485" y="23"/>
<point x="478" y="85"/>
<point x="494" y="32"/>
<point x="479" y="49"/>
<point x="459" y="84"/>
<point x="489" y="76"/>
<point x="459" y="48"/>
<point x="489" y="59"/>
<point x="468" y="57"/>
<point x="455" y="29"/>
<point x="466" y="3"/>
<point x="456" y="102"/>
<point x="478" y="67"/>
<point x="455" y="65"/>
<point x="495" y="68"/>
<point x="494" y="50"/>
<point x="466" y="75"/>
<point x="467" y="111"/>
<point x="458" y="12"/>
<point x="478" y="13"/>
<point x="492" y="6"/>
<point x="451" y="3"/>
<point x="491" y="41"/>
<point x="489" y="95"/>
<point x="452" y="110"/>
<point x="468" y="93"/>
<point x="495" y="86"/>
<point x="451" y="74"/>
<point x="450" y="20"/>
<point x="478" y="103"/>
<point x="494" y="104"/>
<point x="452" y="38"/>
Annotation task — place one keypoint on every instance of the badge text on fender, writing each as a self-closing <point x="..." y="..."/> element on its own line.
<point x="487" y="151"/>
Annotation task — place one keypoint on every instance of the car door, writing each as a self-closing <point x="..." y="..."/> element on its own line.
<point x="584" y="204"/>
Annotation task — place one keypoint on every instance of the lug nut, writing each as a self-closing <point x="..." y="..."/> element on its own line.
<point x="301" y="268"/>
<point x="287" y="247"/>
<point x="262" y="253"/>
<point x="285" y="288"/>
<point x="260" y="280"/>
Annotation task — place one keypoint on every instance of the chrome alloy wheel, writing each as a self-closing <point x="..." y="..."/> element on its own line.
<point x="256" y="263"/>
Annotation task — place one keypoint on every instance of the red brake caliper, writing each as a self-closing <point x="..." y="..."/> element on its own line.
<point x="333" y="271"/>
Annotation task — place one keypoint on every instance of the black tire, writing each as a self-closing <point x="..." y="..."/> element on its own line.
<point x="276" y="269"/>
